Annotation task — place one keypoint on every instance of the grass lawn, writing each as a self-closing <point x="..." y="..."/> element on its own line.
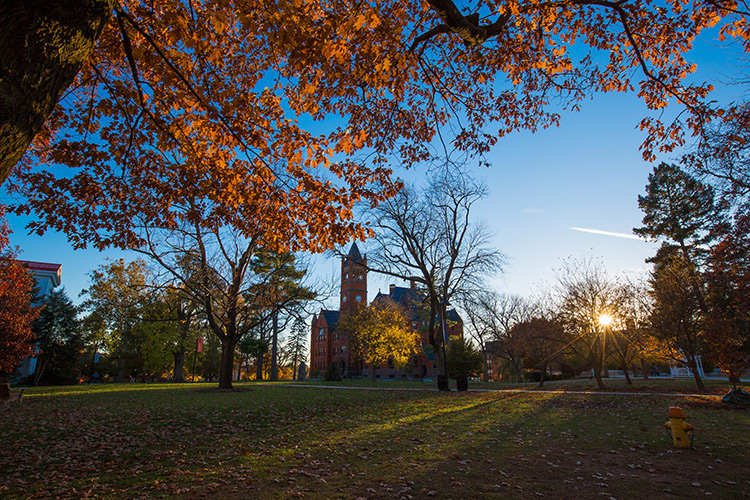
<point x="281" y="441"/>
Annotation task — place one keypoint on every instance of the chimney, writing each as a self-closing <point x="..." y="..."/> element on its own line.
<point x="391" y="289"/>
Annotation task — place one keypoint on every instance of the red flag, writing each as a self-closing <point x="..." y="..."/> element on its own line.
<point x="200" y="344"/>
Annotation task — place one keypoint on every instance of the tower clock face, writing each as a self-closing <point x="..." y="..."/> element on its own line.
<point x="358" y="298"/>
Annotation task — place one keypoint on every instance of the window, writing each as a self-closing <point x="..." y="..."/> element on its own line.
<point x="343" y="348"/>
<point x="358" y="298"/>
<point x="343" y="298"/>
<point x="321" y="331"/>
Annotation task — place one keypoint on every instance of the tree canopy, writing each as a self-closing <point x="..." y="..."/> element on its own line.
<point x="279" y="120"/>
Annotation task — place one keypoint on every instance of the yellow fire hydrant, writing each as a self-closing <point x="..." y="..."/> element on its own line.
<point x="682" y="432"/>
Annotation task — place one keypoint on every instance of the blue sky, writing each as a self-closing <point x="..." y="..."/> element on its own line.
<point x="585" y="174"/>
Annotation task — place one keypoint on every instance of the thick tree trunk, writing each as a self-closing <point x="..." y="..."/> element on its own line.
<point x="598" y="377"/>
<point x="227" y="363"/>
<point x="644" y="369"/>
<point x="542" y="372"/>
<point x="373" y="373"/>
<point x="179" y="366"/>
<point x="274" y="346"/>
<point x="44" y="44"/>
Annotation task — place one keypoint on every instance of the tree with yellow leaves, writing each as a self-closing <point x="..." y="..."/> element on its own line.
<point x="380" y="333"/>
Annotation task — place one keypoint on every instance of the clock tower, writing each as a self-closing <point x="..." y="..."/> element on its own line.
<point x="353" y="281"/>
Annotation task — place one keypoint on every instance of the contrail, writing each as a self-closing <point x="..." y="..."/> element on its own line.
<point x="610" y="233"/>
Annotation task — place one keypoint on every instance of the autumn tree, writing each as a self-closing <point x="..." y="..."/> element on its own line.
<point x="380" y="333"/>
<point x="588" y="298"/>
<point x="397" y="72"/>
<point x="721" y="154"/>
<point x="114" y="295"/>
<point x="728" y="297"/>
<point x="16" y="310"/>
<point x="430" y="237"/>
<point x="542" y="341"/>
<point x="491" y="319"/>
<point x="676" y="320"/>
<point x="58" y="335"/>
<point x="215" y="270"/>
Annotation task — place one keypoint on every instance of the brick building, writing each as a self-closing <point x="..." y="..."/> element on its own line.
<point x="328" y="345"/>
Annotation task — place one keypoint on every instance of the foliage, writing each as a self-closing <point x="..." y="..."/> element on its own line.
<point x="16" y="311"/>
<point x="380" y="333"/>
<point x="541" y="340"/>
<point x="114" y="295"/>
<point x="281" y="290"/>
<point x="464" y="358"/>
<point x="332" y="374"/>
<point x="398" y="75"/>
<point x="681" y="211"/>
<point x="297" y="345"/>
<point x="676" y="320"/>
<point x="58" y="334"/>
<point x="728" y="296"/>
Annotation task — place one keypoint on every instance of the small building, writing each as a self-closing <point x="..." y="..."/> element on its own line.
<point x="46" y="277"/>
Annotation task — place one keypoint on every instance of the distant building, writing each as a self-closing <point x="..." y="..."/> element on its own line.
<point x="328" y="345"/>
<point x="46" y="277"/>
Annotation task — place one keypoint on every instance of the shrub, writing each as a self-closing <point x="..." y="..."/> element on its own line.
<point x="332" y="373"/>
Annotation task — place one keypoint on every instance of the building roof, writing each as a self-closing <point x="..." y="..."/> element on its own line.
<point x="354" y="254"/>
<point x="45" y="269"/>
<point x="331" y="317"/>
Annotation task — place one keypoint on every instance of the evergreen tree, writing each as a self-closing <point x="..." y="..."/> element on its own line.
<point x="59" y="336"/>
<point x="681" y="211"/>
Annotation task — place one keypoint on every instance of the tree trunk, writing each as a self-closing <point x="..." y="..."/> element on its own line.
<point x="598" y="377"/>
<point x="644" y="368"/>
<point x="259" y="368"/>
<point x="627" y="375"/>
<point x="179" y="366"/>
<point x="373" y="373"/>
<point x="486" y="370"/>
<point x="227" y="363"/>
<point x="693" y="366"/>
<point x="44" y="44"/>
<point x="274" y="346"/>
<point x="519" y="373"/>
<point x="542" y="372"/>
